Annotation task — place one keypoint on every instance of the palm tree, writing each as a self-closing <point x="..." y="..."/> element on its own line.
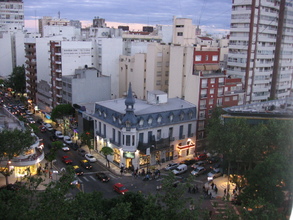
<point x="107" y="151"/>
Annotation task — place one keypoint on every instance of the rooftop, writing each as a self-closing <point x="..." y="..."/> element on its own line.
<point x="274" y="108"/>
<point x="142" y="107"/>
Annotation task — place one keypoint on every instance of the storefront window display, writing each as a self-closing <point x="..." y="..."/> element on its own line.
<point x="117" y="157"/>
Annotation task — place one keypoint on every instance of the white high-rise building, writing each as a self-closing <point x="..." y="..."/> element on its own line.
<point x="11" y="15"/>
<point x="261" y="47"/>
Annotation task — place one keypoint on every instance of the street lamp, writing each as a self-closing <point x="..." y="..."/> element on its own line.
<point x="7" y="171"/>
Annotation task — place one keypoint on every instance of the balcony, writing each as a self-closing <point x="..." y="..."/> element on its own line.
<point x="58" y="70"/>
<point x="58" y="87"/>
<point x="58" y="79"/>
<point x="59" y="96"/>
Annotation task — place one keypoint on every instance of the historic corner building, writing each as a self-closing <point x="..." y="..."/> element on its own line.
<point x="143" y="133"/>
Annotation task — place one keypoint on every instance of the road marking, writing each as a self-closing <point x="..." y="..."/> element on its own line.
<point x="79" y="180"/>
<point x="93" y="178"/>
<point x="112" y="176"/>
<point x="85" y="179"/>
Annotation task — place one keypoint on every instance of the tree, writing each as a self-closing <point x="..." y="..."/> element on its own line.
<point x="52" y="154"/>
<point x="62" y="110"/>
<point x="86" y="138"/>
<point x="13" y="142"/>
<point x="16" y="79"/>
<point x="107" y="151"/>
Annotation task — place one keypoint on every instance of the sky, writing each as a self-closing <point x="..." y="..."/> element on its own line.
<point x="213" y="16"/>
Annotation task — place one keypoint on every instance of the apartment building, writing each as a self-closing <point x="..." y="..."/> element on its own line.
<point x="260" y="50"/>
<point x="11" y="15"/>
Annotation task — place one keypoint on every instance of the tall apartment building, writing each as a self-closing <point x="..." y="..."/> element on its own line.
<point x="49" y="21"/>
<point x="11" y="15"/>
<point x="260" y="50"/>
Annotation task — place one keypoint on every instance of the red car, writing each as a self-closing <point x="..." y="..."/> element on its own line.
<point x="120" y="188"/>
<point x="42" y="129"/>
<point x="203" y="156"/>
<point x="66" y="160"/>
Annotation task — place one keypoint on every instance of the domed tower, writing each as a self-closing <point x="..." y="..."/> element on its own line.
<point x="129" y="120"/>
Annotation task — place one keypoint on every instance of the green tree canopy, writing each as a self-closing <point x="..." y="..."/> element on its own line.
<point x="107" y="151"/>
<point x="62" y="110"/>
<point x="86" y="138"/>
<point x="16" y="79"/>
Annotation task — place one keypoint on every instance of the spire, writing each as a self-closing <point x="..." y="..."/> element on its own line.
<point x="129" y="101"/>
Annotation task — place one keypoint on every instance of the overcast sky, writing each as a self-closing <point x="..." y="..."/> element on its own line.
<point x="212" y="15"/>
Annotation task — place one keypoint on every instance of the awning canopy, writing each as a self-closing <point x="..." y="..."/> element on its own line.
<point x="199" y="67"/>
<point x="185" y="146"/>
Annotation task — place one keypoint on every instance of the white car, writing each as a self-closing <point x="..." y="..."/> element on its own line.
<point x="198" y="170"/>
<point x="65" y="149"/>
<point x="48" y="126"/>
<point x="31" y="120"/>
<point x="67" y="140"/>
<point x="198" y="164"/>
<point x="90" y="158"/>
<point x="214" y="173"/>
<point x="59" y="134"/>
<point x="28" y="112"/>
<point x="171" y="166"/>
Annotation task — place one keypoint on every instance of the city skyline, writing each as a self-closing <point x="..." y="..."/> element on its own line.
<point x="213" y="16"/>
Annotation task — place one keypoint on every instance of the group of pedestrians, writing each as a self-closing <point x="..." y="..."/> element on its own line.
<point x="193" y="189"/>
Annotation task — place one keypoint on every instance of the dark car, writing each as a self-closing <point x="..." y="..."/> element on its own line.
<point x="42" y="129"/>
<point x="103" y="177"/>
<point x="74" y="146"/>
<point x="78" y="170"/>
<point x="213" y="160"/>
<point x="81" y="152"/>
<point x="86" y="164"/>
<point x="40" y="121"/>
<point x="188" y="161"/>
<point x="53" y="138"/>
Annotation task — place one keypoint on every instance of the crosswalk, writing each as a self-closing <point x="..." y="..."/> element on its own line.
<point x="89" y="177"/>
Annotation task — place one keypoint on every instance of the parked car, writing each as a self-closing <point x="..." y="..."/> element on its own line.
<point x="65" y="148"/>
<point x="86" y="164"/>
<point x="198" y="170"/>
<point x="59" y="134"/>
<point x="171" y="166"/>
<point x="53" y="138"/>
<point x="48" y="126"/>
<point x="120" y="188"/>
<point x="30" y="120"/>
<point x="42" y="129"/>
<point x="40" y="121"/>
<point x="90" y="158"/>
<point x="81" y="152"/>
<point x="28" y="112"/>
<point x="66" y="160"/>
<point x="102" y="177"/>
<point x="182" y="168"/>
<point x="188" y="161"/>
<point x="203" y="156"/>
<point x="78" y="170"/>
<point x="213" y="159"/>
<point x="215" y="166"/>
<point x="198" y="164"/>
<point x="74" y="146"/>
<point x="214" y="174"/>
<point x="67" y="140"/>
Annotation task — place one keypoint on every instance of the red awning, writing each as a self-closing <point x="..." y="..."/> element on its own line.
<point x="185" y="146"/>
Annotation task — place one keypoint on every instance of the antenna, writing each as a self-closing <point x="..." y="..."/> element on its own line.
<point x="59" y="14"/>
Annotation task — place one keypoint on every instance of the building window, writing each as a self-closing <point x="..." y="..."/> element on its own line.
<point x="127" y="140"/>
<point x="171" y="117"/>
<point x="203" y="93"/>
<point x="220" y="91"/>
<point x="159" y="133"/>
<point x="105" y="133"/>
<point x="140" y="137"/>
<point x="181" y="132"/>
<point x="219" y="102"/>
<point x="211" y="101"/>
<point x="100" y="127"/>
<point x="202" y="114"/>
<point x="212" y="91"/>
<point x="119" y="137"/>
<point x="189" y="130"/>
<point x="234" y="98"/>
<point x="207" y="57"/>
<point x="150" y="121"/>
<point x="179" y="33"/>
<point x="159" y="120"/>
<point x="198" y="58"/>
<point x="113" y="134"/>
<point x="215" y="58"/>
<point x="227" y="99"/>
<point x="150" y="134"/>
<point x="171" y="132"/>
<point x="212" y="80"/>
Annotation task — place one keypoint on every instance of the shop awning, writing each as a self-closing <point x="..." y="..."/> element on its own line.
<point x="199" y="67"/>
<point x="185" y="146"/>
<point x="208" y="67"/>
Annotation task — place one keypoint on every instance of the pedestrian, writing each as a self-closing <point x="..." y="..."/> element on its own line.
<point x="136" y="170"/>
<point x="121" y="171"/>
<point x="210" y="195"/>
<point x="189" y="189"/>
<point x="225" y="191"/>
<point x="212" y="185"/>
<point x="196" y="188"/>
<point x="193" y="190"/>
<point x="216" y="189"/>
